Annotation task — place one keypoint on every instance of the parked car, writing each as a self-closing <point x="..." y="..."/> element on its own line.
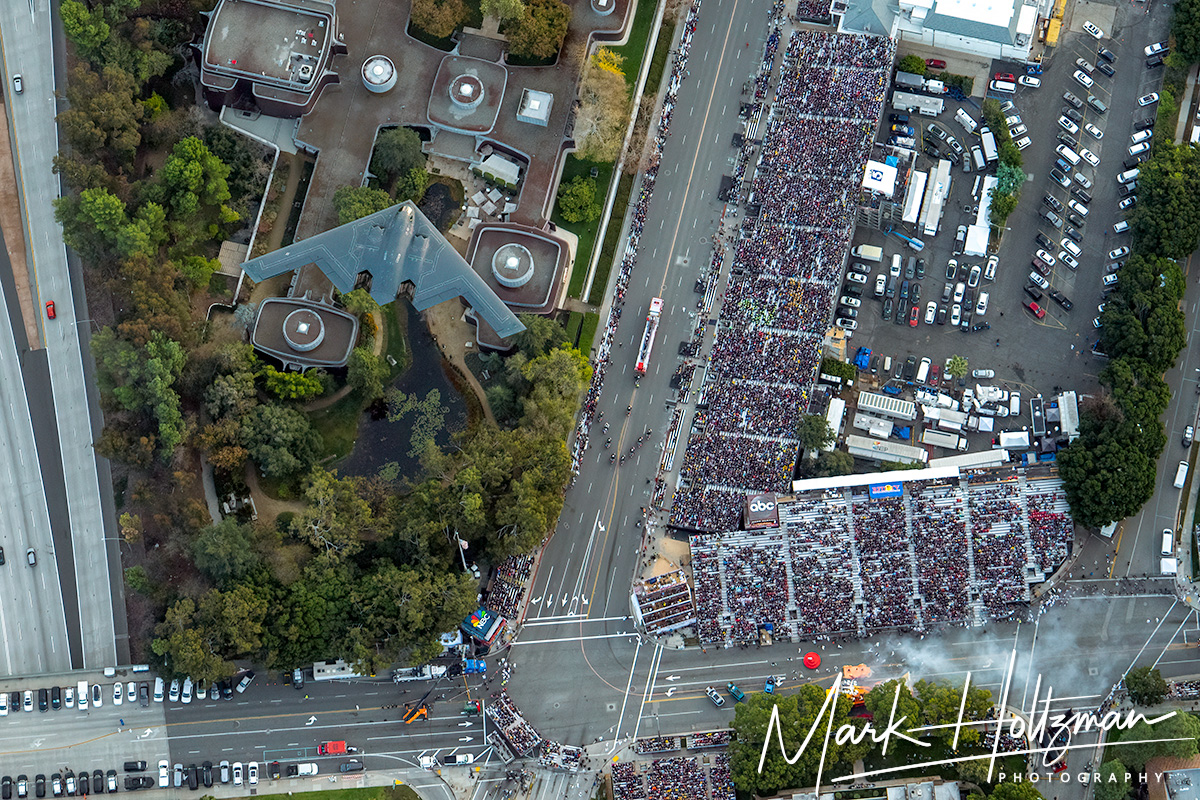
<point x="1092" y="30"/>
<point x="1119" y="252"/>
<point x="1148" y="99"/>
<point x="712" y="693"/>
<point x="1035" y="309"/>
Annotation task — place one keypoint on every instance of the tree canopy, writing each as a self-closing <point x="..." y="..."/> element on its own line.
<point x="539" y="32"/>
<point x="1146" y="686"/>
<point x="577" y="200"/>
<point x="603" y="113"/>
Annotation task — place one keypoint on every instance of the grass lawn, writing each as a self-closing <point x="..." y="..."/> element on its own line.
<point x="587" y="333"/>
<point x="338" y="425"/>
<point x="639" y="36"/>
<point x="574" y="320"/>
<point x="396" y="345"/>
<point x="662" y="49"/>
<point x="370" y="793"/>
<point x="586" y="231"/>
<point x="612" y="238"/>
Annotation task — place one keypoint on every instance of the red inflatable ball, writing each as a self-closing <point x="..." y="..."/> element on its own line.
<point x="812" y="660"/>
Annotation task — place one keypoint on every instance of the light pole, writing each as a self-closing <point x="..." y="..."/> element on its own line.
<point x="462" y="553"/>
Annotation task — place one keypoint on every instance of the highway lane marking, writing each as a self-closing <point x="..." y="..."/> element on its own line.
<point x="575" y="638"/>
<point x="568" y="619"/>
<point x="651" y="679"/>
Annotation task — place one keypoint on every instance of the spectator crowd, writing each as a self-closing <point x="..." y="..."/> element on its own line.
<point x="656" y="744"/>
<point x="788" y="253"/>
<point x="699" y="741"/>
<point x="845" y="562"/>
<point x="677" y="778"/>
<point x="507" y="589"/>
<point x="520" y="735"/>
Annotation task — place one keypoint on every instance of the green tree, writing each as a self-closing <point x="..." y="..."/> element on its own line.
<point x="503" y="10"/>
<point x="336" y="517"/>
<point x="957" y="366"/>
<point x="397" y="150"/>
<point x="541" y="336"/>
<point x="354" y="202"/>
<point x="1146" y="686"/>
<point x="297" y="386"/>
<point x="813" y="432"/>
<point x="1166" y="220"/>
<point x="438" y="18"/>
<point x="140" y="380"/>
<point x="103" y="116"/>
<point x="557" y="382"/>
<point x="1185" y="28"/>
<point x="539" y="33"/>
<point x="192" y="188"/>
<point x="577" y="200"/>
<point x="1182" y="726"/>
<point x="185" y="647"/>
<point x="233" y="621"/>
<point x="882" y="696"/>
<point x="1011" y="790"/>
<point x="940" y="702"/>
<point x="280" y="440"/>
<point x="231" y="395"/>
<point x="797" y="716"/>
<point x="912" y="63"/>
<point x="365" y="373"/>
<point x="412" y="185"/>
<point x="1009" y="179"/>
<point x="1112" y="783"/>
<point x="833" y="462"/>
<point x="225" y="551"/>
<point x="359" y="303"/>
<point x="87" y="30"/>
<point x="603" y="115"/>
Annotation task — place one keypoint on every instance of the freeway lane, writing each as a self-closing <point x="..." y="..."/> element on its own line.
<point x="27" y="42"/>
<point x="33" y="635"/>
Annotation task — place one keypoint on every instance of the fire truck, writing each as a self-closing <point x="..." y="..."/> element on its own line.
<point x="652" y="319"/>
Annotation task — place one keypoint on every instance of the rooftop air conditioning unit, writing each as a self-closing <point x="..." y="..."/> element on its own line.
<point x="305" y="73"/>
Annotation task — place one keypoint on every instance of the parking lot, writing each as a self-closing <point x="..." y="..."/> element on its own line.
<point x="1028" y="353"/>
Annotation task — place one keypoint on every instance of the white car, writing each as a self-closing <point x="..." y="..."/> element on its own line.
<point x="852" y="277"/>
<point x="955" y="315"/>
<point x="1030" y="81"/>
<point x="1023" y="142"/>
<point x="852" y="302"/>
<point x="1093" y="31"/>
<point x="1141" y="136"/>
<point x="973" y="278"/>
<point x="1090" y="157"/>
<point x="1119" y="252"/>
<point x="1071" y="247"/>
<point x="1068" y="259"/>
<point x="930" y="313"/>
<point x="118" y="694"/>
<point x="131" y="692"/>
<point x="1148" y="99"/>
<point x="1093" y="131"/>
<point x="237" y="773"/>
<point x="983" y="373"/>
<point x="1014" y="404"/>
<point x="164" y="774"/>
<point x="252" y="773"/>
<point x="989" y="272"/>
<point x="1015" y="119"/>
<point x="982" y="306"/>
<point x="1068" y="126"/>
<point x="1156" y="48"/>
<point x="846" y="324"/>
<point x="1109" y="280"/>
<point x="1037" y="280"/>
<point x="187" y="691"/>
<point x="959" y="290"/>
<point x="1078" y="207"/>
<point x="1018" y="130"/>
<point x="1045" y="256"/>
<point x="1128" y="202"/>
<point x="1083" y="79"/>
<point x="880" y="285"/>
<point x="97" y="696"/>
<point x="1083" y="180"/>
<point x="173" y="696"/>
<point x="894" y="269"/>
<point x="3" y="704"/>
<point x="1140" y="147"/>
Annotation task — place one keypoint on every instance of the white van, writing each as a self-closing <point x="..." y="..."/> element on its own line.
<point x="1004" y="87"/>
<point x="897" y="265"/>
<point x="1128" y="175"/>
<point x="158" y="690"/>
<point x="1121" y="227"/>
<point x="887" y="365"/>
<point x="1181" y="474"/>
<point x="923" y="370"/>
<point x="81" y="695"/>
<point x="964" y="119"/>
<point x="869" y="252"/>
<point x="978" y="157"/>
<point x="1168" y="542"/>
<point x="1068" y="154"/>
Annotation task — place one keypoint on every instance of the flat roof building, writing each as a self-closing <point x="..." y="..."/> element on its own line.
<point x="270" y="56"/>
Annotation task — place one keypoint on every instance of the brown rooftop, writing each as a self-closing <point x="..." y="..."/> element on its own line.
<point x="268" y="40"/>
<point x="304" y="334"/>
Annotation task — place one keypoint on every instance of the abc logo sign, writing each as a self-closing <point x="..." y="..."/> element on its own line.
<point x="762" y="505"/>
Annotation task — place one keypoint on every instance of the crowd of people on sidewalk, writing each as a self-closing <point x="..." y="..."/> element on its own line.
<point x="679" y="778"/>
<point x="519" y="734"/>
<point x="786" y="269"/>
<point x="507" y="589"/>
<point x="844" y="562"/>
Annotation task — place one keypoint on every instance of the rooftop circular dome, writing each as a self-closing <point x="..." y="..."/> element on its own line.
<point x="512" y="265"/>
<point x="603" y="7"/>
<point x="378" y="74"/>
<point x="303" y="330"/>
<point x="466" y="91"/>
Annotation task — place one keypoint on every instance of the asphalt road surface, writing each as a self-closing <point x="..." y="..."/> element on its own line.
<point x="83" y="561"/>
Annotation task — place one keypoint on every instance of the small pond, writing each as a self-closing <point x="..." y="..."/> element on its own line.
<point x="433" y="407"/>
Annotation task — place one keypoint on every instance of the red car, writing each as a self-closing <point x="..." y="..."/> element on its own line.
<point x="933" y="374"/>
<point x="1037" y="310"/>
<point x="912" y="316"/>
<point x="935" y="63"/>
<point x="50" y="309"/>
<point x="1005" y="76"/>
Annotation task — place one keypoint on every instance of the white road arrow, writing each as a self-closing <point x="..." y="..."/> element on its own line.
<point x="464" y="724"/>
<point x="465" y="739"/>
<point x="149" y="732"/>
<point x="38" y="742"/>
<point x="670" y="691"/>
<point x="671" y="678"/>
<point x="311" y="720"/>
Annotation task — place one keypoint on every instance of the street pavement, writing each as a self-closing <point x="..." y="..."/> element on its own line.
<point x="83" y="555"/>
